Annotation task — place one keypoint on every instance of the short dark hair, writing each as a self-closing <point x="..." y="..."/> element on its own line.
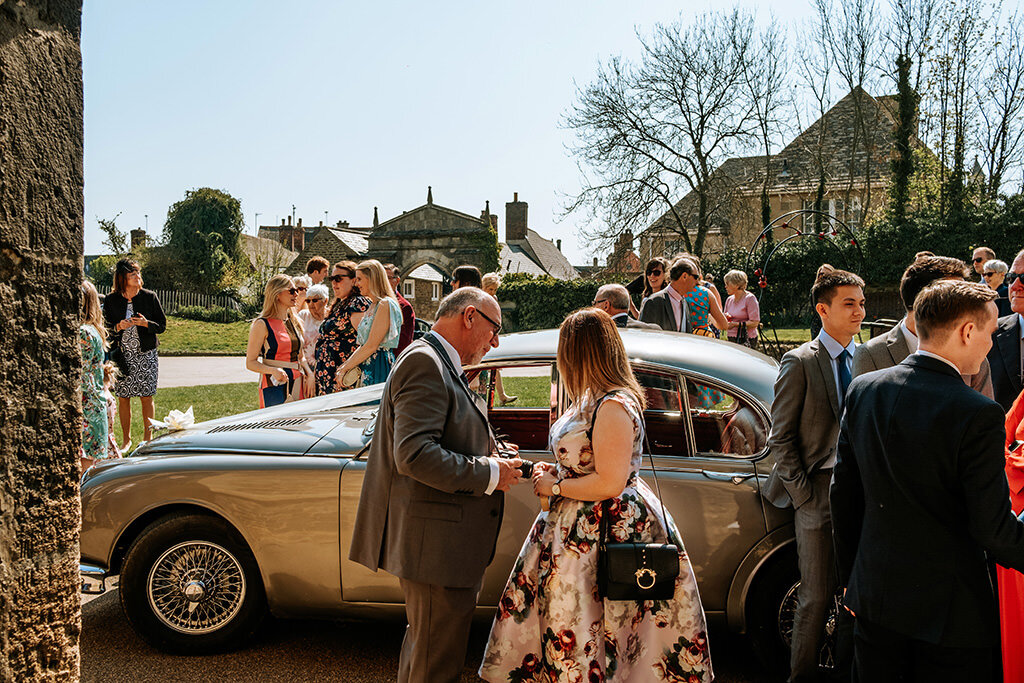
<point x="393" y="270"/>
<point x="943" y="304"/>
<point x="315" y="264"/>
<point x="468" y="276"/>
<point x="828" y="280"/>
<point x="926" y="270"/>
<point x="121" y="271"/>
<point x="683" y="264"/>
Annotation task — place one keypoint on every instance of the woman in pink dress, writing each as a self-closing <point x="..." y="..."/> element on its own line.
<point x="1011" y="583"/>
<point x="742" y="309"/>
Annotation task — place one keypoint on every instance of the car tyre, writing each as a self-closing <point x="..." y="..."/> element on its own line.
<point x="190" y="584"/>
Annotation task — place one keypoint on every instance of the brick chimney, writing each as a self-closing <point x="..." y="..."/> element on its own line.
<point x="138" y="239"/>
<point x="515" y="219"/>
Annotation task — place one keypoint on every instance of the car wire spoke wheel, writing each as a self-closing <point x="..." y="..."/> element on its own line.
<point x="787" y="617"/>
<point x="196" y="587"/>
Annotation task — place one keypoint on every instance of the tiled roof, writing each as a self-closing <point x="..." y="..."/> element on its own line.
<point x="261" y="251"/>
<point x="356" y="241"/>
<point x="512" y="259"/>
<point x="428" y="273"/>
<point x="546" y="255"/>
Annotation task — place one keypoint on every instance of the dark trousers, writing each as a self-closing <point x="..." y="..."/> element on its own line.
<point x="818" y="579"/>
<point x="434" y="647"/>
<point x="881" y="655"/>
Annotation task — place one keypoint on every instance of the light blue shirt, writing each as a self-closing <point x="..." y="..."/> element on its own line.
<point x="834" y="348"/>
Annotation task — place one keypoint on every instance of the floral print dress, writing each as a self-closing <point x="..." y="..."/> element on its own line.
<point x="94" y="404"/>
<point x="552" y="626"/>
<point x="336" y="342"/>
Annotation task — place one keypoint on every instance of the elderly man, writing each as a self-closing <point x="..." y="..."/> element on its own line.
<point x="1007" y="346"/>
<point x="667" y="309"/>
<point x="889" y="349"/>
<point x="408" y="315"/>
<point x="981" y="256"/>
<point x="614" y="300"/>
<point x="431" y="503"/>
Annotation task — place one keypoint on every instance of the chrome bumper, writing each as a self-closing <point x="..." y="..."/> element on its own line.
<point x="94" y="579"/>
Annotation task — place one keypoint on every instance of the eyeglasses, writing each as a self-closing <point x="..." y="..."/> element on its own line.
<point x="978" y="260"/>
<point x="1012" y="278"/>
<point x="497" y="326"/>
<point x="339" y="278"/>
<point x="598" y="301"/>
<point x="292" y="290"/>
<point x="315" y="301"/>
<point x="301" y="289"/>
<point x="655" y="272"/>
<point x="987" y="274"/>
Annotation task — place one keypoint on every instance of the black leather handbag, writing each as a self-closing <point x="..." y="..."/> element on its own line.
<point x="634" y="571"/>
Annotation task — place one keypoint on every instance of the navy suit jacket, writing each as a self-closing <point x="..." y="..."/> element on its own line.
<point x="1004" y="358"/>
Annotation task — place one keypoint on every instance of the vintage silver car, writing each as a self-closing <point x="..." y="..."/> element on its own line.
<point x="212" y="526"/>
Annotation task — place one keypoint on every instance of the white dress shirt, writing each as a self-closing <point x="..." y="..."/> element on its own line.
<point x="453" y="355"/>
<point x="834" y="350"/>
<point x="912" y="341"/>
<point x="922" y="352"/>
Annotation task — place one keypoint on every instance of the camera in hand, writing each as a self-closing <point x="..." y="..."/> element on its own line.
<point x="526" y="469"/>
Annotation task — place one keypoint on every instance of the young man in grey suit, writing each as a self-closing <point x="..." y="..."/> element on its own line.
<point x="431" y="501"/>
<point x="667" y="309"/>
<point x="1008" y="341"/>
<point x="614" y="300"/>
<point x="889" y="349"/>
<point x="808" y="403"/>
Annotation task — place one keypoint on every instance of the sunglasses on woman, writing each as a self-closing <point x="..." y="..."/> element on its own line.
<point x="655" y="272"/>
<point x="339" y="278"/>
<point x="292" y="290"/>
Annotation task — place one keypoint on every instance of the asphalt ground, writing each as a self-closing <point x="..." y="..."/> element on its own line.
<point x="307" y="650"/>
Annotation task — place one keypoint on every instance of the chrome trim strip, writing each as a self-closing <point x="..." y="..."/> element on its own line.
<point x="94" y="579"/>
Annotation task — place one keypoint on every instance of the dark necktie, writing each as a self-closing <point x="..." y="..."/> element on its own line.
<point x="844" y="375"/>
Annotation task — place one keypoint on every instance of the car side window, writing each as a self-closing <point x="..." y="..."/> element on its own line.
<point x="724" y="423"/>
<point x="519" y="400"/>
<point x="664" y="416"/>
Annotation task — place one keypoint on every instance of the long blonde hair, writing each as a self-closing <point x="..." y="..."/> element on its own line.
<point x="378" y="278"/>
<point x="92" y="313"/>
<point x="591" y="357"/>
<point x="275" y="286"/>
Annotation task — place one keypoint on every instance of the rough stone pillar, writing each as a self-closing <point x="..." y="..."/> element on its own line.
<point x="41" y="218"/>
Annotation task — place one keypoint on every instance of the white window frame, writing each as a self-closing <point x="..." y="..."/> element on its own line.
<point x="409" y="289"/>
<point x="435" y="291"/>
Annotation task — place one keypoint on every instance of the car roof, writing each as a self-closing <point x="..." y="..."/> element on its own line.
<point x="737" y="365"/>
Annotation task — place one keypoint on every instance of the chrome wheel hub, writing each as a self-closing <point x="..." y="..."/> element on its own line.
<point x="196" y="587"/>
<point x="787" y="612"/>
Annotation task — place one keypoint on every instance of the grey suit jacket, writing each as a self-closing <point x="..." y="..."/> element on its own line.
<point x="805" y="423"/>
<point x="657" y="309"/>
<point x="422" y="515"/>
<point x="625" y="320"/>
<point x="889" y="349"/>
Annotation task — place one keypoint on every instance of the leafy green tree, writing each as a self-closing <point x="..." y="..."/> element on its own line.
<point x="203" y="230"/>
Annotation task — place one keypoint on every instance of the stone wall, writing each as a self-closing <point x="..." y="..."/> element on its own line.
<point x="41" y="219"/>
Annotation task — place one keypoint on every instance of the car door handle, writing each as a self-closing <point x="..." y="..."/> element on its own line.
<point x="727" y="476"/>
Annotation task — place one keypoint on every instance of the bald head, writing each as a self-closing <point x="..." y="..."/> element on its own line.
<point x="616" y="296"/>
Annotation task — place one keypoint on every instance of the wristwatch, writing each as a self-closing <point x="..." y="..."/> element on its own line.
<point x="556" y="488"/>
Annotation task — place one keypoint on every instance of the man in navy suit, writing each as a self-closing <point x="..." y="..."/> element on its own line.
<point x="918" y="498"/>
<point x="1008" y="341"/>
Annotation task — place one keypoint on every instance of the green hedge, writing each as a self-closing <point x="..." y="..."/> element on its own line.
<point x="542" y="302"/>
<point x="213" y="314"/>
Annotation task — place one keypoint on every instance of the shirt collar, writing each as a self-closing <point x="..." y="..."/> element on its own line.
<point x="619" y="315"/>
<point x="929" y="354"/>
<point x="833" y="347"/>
<point x="674" y="294"/>
<point x="911" y="337"/>
<point x="453" y="355"/>
<point x="1020" y="324"/>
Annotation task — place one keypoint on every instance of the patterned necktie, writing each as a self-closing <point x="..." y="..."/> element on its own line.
<point x="844" y="375"/>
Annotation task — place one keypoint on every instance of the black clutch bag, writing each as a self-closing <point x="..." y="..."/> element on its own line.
<point x="634" y="571"/>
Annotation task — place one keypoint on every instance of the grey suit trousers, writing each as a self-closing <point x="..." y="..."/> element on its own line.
<point x="818" y="579"/>
<point x="434" y="647"/>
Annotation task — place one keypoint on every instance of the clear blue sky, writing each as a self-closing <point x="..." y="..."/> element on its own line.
<point x="343" y="106"/>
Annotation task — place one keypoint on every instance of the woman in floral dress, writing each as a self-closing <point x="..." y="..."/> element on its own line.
<point x="92" y="337"/>
<point x="337" y="338"/>
<point x="551" y="624"/>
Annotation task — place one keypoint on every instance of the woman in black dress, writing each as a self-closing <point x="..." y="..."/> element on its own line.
<point x="134" y="318"/>
<point x="337" y="338"/>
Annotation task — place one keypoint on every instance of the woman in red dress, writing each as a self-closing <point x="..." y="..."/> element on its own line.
<point x="275" y="347"/>
<point x="1011" y="583"/>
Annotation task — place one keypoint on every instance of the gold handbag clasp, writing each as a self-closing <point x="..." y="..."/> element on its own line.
<point x="645" y="574"/>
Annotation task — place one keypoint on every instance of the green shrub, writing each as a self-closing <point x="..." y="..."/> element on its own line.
<point x="213" y="314"/>
<point x="542" y="302"/>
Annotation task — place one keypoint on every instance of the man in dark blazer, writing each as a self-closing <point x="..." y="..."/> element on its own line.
<point x="431" y="501"/>
<point x="809" y="396"/>
<point x="667" y="309"/>
<point x="1007" y="344"/>
<point x="889" y="349"/>
<point x="614" y="300"/>
<point x="919" y="496"/>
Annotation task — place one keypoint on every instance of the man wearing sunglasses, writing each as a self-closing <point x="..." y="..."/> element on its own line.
<point x="980" y="256"/>
<point x="1007" y="345"/>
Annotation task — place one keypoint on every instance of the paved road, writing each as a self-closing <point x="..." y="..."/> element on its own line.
<point x="355" y="652"/>
<point x="190" y="371"/>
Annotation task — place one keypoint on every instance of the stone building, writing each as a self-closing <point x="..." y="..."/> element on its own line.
<point x="427" y="243"/>
<point x="856" y="170"/>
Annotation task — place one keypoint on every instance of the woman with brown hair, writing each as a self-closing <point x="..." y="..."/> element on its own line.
<point x="551" y="623"/>
<point x="655" y="276"/>
<point x="337" y="338"/>
<point x="92" y="337"/>
<point x="377" y="330"/>
<point x="275" y="346"/>
<point x="134" y="318"/>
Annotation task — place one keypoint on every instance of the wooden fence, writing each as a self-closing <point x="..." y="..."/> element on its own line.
<point x="172" y="300"/>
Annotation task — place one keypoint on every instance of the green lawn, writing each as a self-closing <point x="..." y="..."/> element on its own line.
<point x="208" y="402"/>
<point x="197" y="338"/>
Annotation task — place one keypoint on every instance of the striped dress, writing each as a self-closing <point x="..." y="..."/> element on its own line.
<point x="283" y="343"/>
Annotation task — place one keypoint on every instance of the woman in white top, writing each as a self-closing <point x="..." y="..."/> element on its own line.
<point x="311" y="317"/>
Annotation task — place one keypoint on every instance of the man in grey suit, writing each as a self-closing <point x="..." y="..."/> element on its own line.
<point x="667" y="309"/>
<point x="614" y="300"/>
<point x="889" y="349"/>
<point x="809" y="396"/>
<point x="431" y="502"/>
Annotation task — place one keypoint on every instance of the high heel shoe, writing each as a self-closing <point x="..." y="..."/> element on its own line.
<point x="508" y="399"/>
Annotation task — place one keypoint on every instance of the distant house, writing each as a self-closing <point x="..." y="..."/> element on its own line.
<point x="854" y="183"/>
<point x="427" y="243"/>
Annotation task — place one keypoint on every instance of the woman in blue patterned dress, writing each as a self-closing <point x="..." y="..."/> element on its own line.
<point x="551" y="623"/>
<point x="377" y="330"/>
<point x="92" y="336"/>
<point x="337" y="338"/>
<point x="702" y="303"/>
